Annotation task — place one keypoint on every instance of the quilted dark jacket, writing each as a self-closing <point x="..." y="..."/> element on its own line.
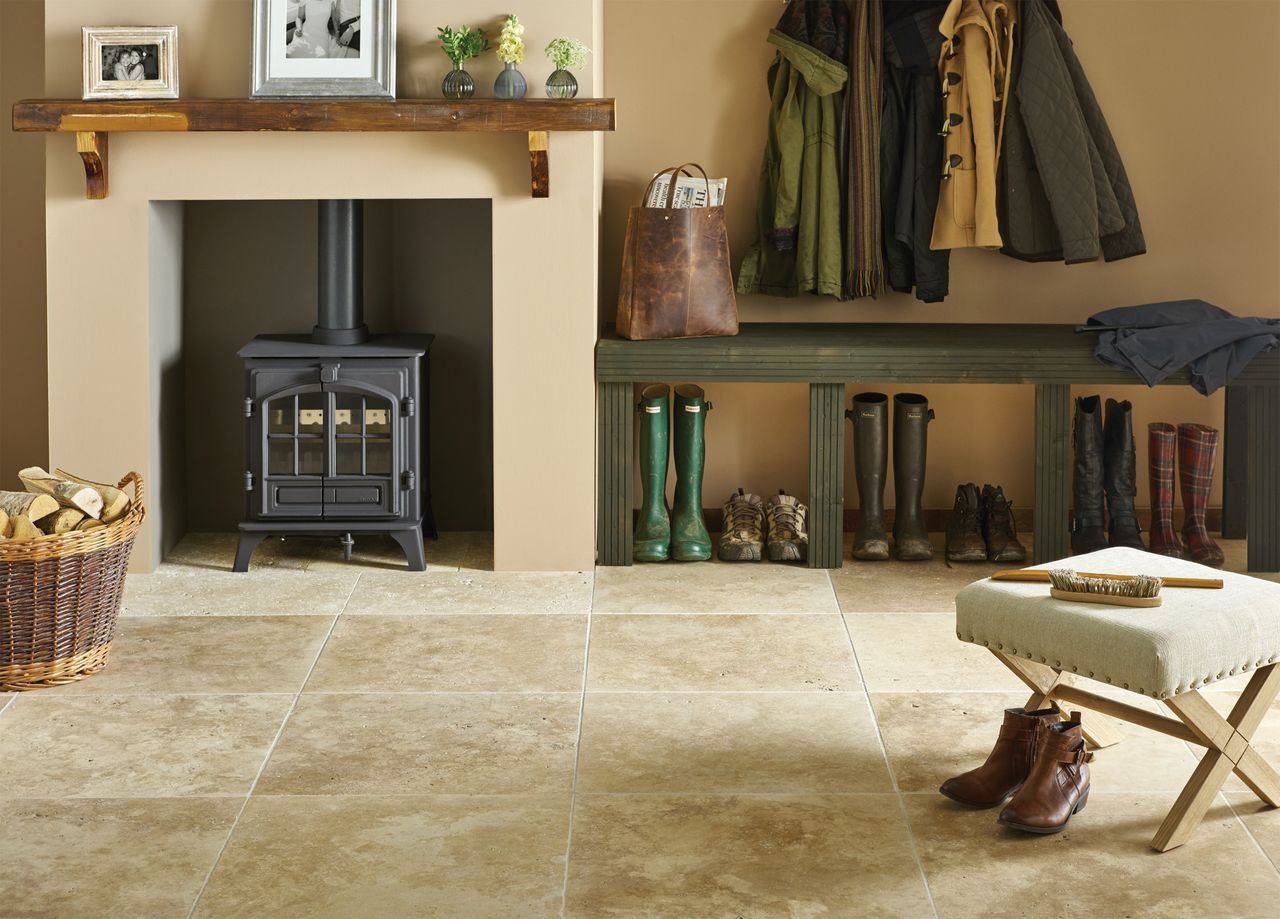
<point x="1064" y="192"/>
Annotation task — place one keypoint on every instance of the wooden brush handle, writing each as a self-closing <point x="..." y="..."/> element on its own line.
<point x="1041" y="576"/>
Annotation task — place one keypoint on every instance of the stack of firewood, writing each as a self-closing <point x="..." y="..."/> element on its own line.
<point x="56" y="503"/>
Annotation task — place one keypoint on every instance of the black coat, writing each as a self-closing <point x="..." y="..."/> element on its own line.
<point x="1064" y="192"/>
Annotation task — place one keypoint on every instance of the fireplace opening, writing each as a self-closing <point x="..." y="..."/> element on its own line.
<point x="334" y="292"/>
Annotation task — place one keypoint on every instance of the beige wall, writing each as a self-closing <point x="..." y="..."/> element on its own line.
<point x="1187" y="95"/>
<point x="24" y="433"/>
<point x="545" y="319"/>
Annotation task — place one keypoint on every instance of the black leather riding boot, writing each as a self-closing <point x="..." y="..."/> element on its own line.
<point x="911" y="417"/>
<point x="1120" y="475"/>
<point x="870" y="417"/>
<point x="1088" y="519"/>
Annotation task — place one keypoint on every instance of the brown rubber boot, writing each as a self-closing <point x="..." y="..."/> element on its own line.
<point x="964" y="529"/>
<point x="1008" y="764"/>
<point x="1058" y="786"/>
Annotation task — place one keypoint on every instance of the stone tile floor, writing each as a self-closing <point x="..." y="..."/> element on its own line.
<point x="317" y="738"/>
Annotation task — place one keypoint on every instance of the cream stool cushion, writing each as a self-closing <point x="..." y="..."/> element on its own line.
<point x="1195" y="638"/>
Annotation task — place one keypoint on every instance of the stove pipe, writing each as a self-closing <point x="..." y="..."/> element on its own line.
<point x="340" y="313"/>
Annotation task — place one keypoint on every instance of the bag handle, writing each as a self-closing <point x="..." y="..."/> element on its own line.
<point x="671" y="189"/>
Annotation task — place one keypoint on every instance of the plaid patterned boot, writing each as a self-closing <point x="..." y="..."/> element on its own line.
<point x="1197" y="456"/>
<point x="1162" y="440"/>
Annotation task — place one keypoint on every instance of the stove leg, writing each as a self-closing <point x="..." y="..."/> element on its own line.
<point x="248" y="542"/>
<point x="410" y="541"/>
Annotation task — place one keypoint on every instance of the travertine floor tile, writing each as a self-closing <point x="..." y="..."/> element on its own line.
<point x="933" y="736"/>
<point x="390" y="743"/>
<point x="1101" y="865"/>
<point x="472" y="551"/>
<point x="713" y="587"/>
<point x="217" y="552"/>
<point x="178" y="591"/>
<point x="446" y="856"/>
<point x="904" y="587"/>
<point x="399" y="592"/>
<point x="727" y="743"/>
<point x="703" y="856"/>
<point x="919" y="652"/>
<point x="1261" y="820"/>
<point x="681" y="653"/>
<point x="453" y="653"/>
<point x="136" y="745"/>
<point x="195" y="654"/>
<point x="109" y="857"/>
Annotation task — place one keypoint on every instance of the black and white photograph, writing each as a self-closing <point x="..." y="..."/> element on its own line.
<point x="130" y="62"/>
<point x="323" y="29"/>
<point x="324" y="48"/>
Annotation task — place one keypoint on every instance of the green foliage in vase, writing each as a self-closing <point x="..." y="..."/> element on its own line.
<point x="567" y="53"/>
<point x="463" y="44"/>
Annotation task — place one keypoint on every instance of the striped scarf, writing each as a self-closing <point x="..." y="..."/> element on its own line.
<point x="864" y="263"/>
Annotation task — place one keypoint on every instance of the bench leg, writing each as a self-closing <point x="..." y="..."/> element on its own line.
<point x="1263" y="523"/>
<point x="1052" y="482"/>
<point x="1235" y="463"/>
<point x="1229" y="749"/>
<point x="1044" y="681"/>
<point x="826" y="474"/>
<point x="613" y="499"/>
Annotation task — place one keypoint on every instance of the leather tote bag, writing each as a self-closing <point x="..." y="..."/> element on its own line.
<point x="676" y="280"/>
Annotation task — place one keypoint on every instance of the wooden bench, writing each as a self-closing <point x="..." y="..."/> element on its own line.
<point x="829" y="356"/>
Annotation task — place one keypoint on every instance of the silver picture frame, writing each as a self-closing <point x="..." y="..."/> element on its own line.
<point x="99" y="42"/>
<point x="276" y="76"/>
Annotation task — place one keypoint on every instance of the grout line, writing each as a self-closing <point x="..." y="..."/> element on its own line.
<point x="888" y="761"/>
<point x="577" y="756"/>
<point x="270" y="752"/>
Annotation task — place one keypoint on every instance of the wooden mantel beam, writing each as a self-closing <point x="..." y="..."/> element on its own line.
<point x="91" y="121"/>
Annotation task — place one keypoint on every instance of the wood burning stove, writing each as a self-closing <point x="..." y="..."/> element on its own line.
<point x="336" y="422"/>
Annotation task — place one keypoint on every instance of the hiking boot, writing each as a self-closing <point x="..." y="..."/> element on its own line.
<point x="742" y="533"/>
<point x="964" y="529"/>
<point x="1088" y="532"/>
<point x="911" y="417"/>
<point x="999" y="529"/>
<point x="788" y="528"/>
<point x="870" y="417"/>
<point x="1120" y="476"/>
<point x="1197" y="456"/>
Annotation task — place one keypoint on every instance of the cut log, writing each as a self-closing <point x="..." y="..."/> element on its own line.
<point x="115" y="502"/>
<point x="89" y="523"/>
<point x="69" y="494"/>
<point x="64" y="521"/>
<point x="4" y="525"/>
<point x="23" y="529"/>
<point x="25" y="504"/>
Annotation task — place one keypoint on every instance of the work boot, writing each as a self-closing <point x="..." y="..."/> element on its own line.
<point x="1087" y="518"/>
<point x="1057" y="786"/>
<point x="964" y="529"/>
<point x="690" y="541"/>
<point x="911" y="417"/>
<point x="999" y="529"/>
<point x="1161" y="446"/>
<point x="1197" y="456"/>
<point x="870" y="417"/>
<point x="652" y="541"/>
<point x="1120" y="475"/>
<point x="788" y="528"/>
<point x="742" y="533"/>
<point x="1009" y="762"/>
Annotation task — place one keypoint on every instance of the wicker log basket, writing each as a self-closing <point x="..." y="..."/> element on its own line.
<point x="59" y="598"/>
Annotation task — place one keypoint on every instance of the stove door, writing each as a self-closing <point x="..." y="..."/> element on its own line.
<point x="364" y="477"/>
<point x="295" y="451"/>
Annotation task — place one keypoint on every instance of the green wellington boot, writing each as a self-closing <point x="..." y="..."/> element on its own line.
<point x="690" y="541"/>
<point x="652" y="542"/>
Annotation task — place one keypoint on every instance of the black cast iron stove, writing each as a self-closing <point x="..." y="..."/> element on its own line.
<point x="336" y="422"/>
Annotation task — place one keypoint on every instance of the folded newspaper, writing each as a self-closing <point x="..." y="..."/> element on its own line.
<point x="690" y="192"/>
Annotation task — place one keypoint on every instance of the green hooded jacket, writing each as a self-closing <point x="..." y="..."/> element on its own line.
<point x="798" y="247"/>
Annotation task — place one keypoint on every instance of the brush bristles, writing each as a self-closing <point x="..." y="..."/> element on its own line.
<point x="1140" y="585"/>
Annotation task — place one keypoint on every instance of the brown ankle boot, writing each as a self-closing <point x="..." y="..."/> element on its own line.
<point x="1058" y="786"/>
<point x="1008" y="764"/>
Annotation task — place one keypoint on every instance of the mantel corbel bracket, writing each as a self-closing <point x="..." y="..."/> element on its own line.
<point x="539" y="165"/>
<point x="92" y="147"/>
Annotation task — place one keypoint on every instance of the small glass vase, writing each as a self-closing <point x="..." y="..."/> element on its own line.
<point x="562" y="85"/>
<point x="458" y="84"/>
<point x="510" y="83"/>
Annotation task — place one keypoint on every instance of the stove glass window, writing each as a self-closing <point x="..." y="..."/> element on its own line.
<point x="362" y="427"/>
<point x="296" y="435"/>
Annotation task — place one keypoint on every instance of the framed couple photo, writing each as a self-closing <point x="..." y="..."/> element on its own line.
<point x="324" y="48"/>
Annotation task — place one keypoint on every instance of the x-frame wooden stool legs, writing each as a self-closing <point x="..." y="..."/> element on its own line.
<point x="1227" y="740"/>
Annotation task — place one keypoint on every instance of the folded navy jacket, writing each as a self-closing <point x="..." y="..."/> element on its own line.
<point x="1157" y="339"/>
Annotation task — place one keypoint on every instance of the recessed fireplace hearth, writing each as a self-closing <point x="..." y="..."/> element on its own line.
<point x="336" y="432"/>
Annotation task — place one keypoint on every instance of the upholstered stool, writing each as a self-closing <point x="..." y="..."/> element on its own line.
<point x="1195" y="638"/>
